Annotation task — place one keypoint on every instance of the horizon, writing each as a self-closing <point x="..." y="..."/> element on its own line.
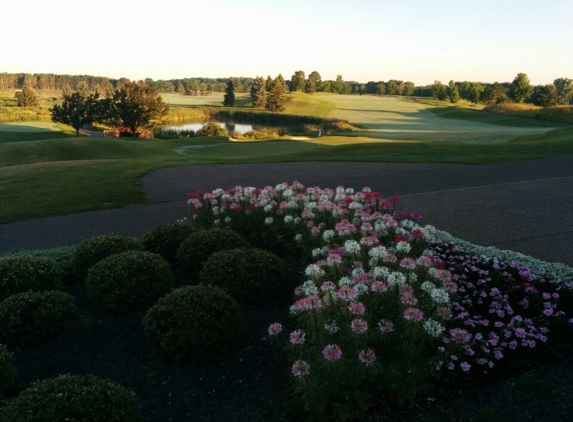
<point x="366" y="40"/>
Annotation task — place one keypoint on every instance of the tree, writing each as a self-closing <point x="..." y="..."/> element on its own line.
<point x="259" y="92"/>
<point x="439" y="91"/>
<point x="83" y="88"/>
<point x="27" y="98"/>
<point x="494" y="94"/>
<point x="520" y="89"/>
<point x="229" y="99"/>
<point x="391" y="87"/>
<point x="380" y="89"/>
<point x="276" y="98"/>
<point x="408" y="89"/>
<point x="474" y="91"/>
<point x="564" y="87"/>
<point x="546" y="96"/>
<point x="315" y="79"/>
<point x="341" y="87"/>
<point x="310" y="86"/>
<point x="77" y="110"/>
<point x="135" y="105"/>
<point x="269" y="83"/>
<point x="297" y="81"/>
<point x="453" y="92"/>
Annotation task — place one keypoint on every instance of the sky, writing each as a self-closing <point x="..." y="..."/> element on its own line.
<point x="362" y="40"/>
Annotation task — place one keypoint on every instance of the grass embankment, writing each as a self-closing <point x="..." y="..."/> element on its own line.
<point x="95" y="173"/>
<point x="560" y="114"/>
<point x="32" y="131"/>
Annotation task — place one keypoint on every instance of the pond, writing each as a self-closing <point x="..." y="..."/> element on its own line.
<point x="229" y="126"/>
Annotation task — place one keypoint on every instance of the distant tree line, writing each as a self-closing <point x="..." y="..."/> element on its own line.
<point x="520" y="90"/>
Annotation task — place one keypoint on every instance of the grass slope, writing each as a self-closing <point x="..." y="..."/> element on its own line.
<point x="96" y="173"/>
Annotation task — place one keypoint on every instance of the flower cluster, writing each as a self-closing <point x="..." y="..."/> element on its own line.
<point x="382" y="288"/>
<point x="499" y="308"/>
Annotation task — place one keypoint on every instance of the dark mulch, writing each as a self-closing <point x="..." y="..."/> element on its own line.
<point x="254" y="385"/>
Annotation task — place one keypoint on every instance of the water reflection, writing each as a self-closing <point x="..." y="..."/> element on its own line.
<point x="229" y="126"/>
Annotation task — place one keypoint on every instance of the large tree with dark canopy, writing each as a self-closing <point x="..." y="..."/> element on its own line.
<point x="135" y="105"/>
<point x="77" y="110"/>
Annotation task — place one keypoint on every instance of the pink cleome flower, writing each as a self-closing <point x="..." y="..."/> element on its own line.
<point x="413" y="314"/>
<point x="297" y="337"/>
<point x="359" y="326"/>
<point x="274" y="329"/>
<point x="367" y="357"/>
<point x="332" y="352"/>
<point x="356" y="308"/>
<point x="300" y="368"/>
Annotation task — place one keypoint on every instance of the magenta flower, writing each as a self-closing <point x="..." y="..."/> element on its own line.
<point x="300" y="368"/>
<point x="413" y="314"/>
<point x="274" y="329"/>
<point x="332" y="352"/>
<point x="356" y="308"/>
<point x="367" y="357"/>
<point x="359" y="326"/>
<point x="297" y="337"/>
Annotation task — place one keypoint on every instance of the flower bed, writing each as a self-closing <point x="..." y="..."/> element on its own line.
<point x="386" y="304"/>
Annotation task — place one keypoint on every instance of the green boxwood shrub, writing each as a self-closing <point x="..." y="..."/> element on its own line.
<point x="211" y="129"/>
<point x="20" y="274"/>
<point x="73" y="398"/>
<point x="199" y="246"/>
<point x="129" y="281"/>
<point x="62" y="255"/>
<point x="94" y="249"/>
<point x="195" y="324"/>
<point x="31" y="318"/>
<point x="166" y="239"/>
<point x="251" y="276"/>
<point x="7" y="372"/>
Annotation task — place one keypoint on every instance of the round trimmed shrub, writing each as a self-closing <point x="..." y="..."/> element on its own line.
<point x="94" y="249"/>
<point x="24" y="273"/>
<point x="129" y="281"/>
<point x="195" y="324"/>
<point x="165" y="239"/>
<point x="31" y="318"/>
<point x="7" y="372"/>
<point x="211" y="129"/>
<point x="199" y="246"/>
<point x="73" y="398"/>
<point x="251" y="276"/>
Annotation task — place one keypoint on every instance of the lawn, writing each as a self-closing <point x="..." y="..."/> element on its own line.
<point x="391" y="129"/>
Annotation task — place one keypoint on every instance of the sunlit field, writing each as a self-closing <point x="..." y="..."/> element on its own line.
<point x="90" y="173"/>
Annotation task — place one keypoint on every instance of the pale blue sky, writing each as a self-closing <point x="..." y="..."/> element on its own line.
<point x="362" y="40"/>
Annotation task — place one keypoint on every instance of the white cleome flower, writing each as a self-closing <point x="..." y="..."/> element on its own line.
<point x="433" y="328"/>
<point x="351" y="247"/>
<point x="269" y="220"/>
<point x="440" y="296"/>
<point x="309" y="288"/>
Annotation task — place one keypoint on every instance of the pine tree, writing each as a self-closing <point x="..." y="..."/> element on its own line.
<point x="27" y="98"/>
<point x="276" y="99"/>
<point x="229" y="99"/>
<point x="259" y="92"/>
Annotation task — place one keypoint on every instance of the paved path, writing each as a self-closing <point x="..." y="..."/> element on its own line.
<point x="525" y="206"/>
